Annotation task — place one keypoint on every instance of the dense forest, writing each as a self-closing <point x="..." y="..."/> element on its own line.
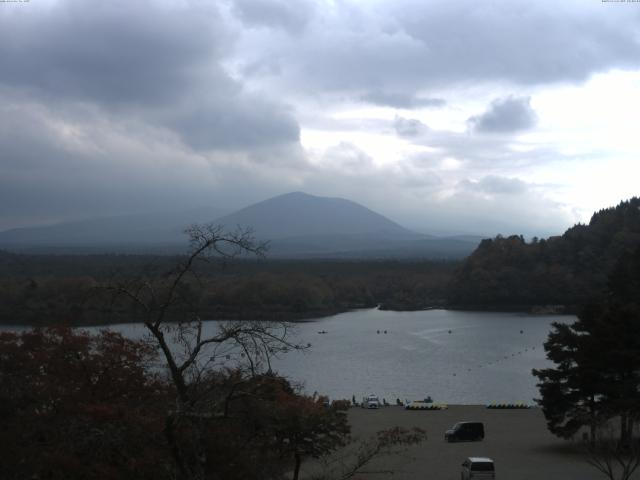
<point x="504" y="273"/>
<point x="563" y="271"/>
<point x="50" y="289"/>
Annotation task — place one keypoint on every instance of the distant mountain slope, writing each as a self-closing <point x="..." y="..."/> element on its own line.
<point x="565" y="270"/>
<point x="297" y="225"/>
<point x="150" y="229"/>
<point x="298" y="214"/>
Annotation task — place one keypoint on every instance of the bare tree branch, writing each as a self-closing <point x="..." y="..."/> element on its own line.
<point x="616" y="460"/>
<point x="169" y="297"/>
<point x="386" y="442"/>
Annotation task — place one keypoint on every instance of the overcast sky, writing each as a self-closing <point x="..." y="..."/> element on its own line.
<point x="482" y="117"/>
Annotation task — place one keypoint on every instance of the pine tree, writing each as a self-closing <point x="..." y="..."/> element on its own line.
<point x="597" y="372"/>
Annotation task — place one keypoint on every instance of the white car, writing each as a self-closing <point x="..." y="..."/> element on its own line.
<point x="476" y="468"/>
<point x="371" y="401"/>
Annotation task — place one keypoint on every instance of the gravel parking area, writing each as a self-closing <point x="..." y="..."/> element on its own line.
<point x="517" y="441"/>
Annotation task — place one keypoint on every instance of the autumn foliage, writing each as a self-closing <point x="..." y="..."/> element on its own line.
<point x="74" y="405"/>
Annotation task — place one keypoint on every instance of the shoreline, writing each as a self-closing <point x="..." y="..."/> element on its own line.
<point x="314" y="315"/>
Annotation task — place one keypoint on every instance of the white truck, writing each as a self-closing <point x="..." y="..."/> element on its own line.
<point x="371" y="401"/>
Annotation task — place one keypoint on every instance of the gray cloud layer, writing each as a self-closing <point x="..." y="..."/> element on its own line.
<point x="111" y="107"/>
<point x="290" y="16"/>
<point x="58" y="168"/>
<point x="409" y="45"/>
<point x="115" y="53"/>
<point x="401" y="100"/>
<point x="408" y="127"/>
<point x="496" y="185"/>
<point x="157" y="61"/>
<point x="508" y="114"/>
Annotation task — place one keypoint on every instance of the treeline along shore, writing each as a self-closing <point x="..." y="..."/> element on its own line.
<point x="49" y="289"/>
<point x="558" y="273"/>
<point x="553" y="275"/>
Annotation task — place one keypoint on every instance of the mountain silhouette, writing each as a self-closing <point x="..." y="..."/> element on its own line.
<point x="296" y="225"/>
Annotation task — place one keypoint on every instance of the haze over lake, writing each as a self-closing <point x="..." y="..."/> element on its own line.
<point x="452" y="356"/>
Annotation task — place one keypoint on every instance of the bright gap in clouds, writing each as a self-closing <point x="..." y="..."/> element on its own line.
<point x="581" y="154"/>
<point x="594" y="127"/>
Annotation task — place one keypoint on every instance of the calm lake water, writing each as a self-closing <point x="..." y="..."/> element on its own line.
<point x="452" y="356"/>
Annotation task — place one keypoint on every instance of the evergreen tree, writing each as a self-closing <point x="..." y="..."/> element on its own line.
<point x="597" y="372"/>
<point x="570" y="391"/>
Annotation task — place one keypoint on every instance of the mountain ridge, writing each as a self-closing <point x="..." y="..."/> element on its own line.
<point x="296" y="224"/>
<point x="301" y="215"/>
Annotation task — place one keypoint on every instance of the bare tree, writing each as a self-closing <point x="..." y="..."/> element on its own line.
<point x="350" y="463"/>
<point x="169" y="310"/>
<point x="615" y="459"/>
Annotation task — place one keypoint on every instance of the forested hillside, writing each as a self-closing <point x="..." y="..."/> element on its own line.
<point x="50" y="289"/>
<point x="502" y="273"/>
<point x="562" y="271"/>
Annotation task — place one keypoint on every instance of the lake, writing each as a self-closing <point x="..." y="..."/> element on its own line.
<point x="453" y="356"/>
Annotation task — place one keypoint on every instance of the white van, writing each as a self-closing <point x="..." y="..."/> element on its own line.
<point x="370" y="401"/>
<point x="476" y="468"/>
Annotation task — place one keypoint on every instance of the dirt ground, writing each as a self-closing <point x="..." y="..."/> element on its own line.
<point x="517" y="441"/>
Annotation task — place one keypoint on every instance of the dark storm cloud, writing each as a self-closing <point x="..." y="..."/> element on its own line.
<point x="101" y="104"/>
<point x="285" y="14"/>
<point x="504" y="115"/>
<point x="159" y="62"/>
<point x="111" y="52"/>
<point x="401" y="100"/>
<point x="54" y="168"/>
